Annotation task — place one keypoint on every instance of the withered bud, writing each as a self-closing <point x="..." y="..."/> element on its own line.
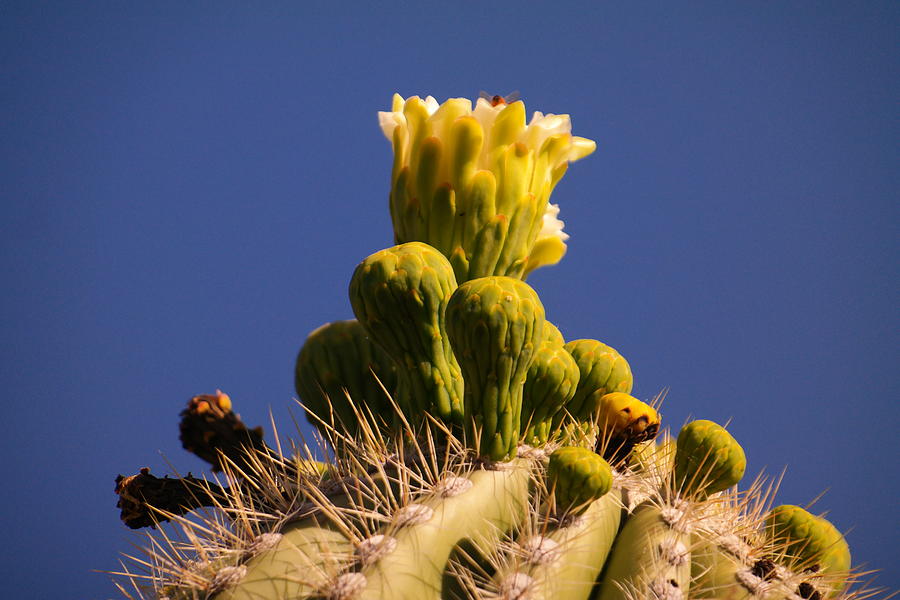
<point x="209" y="428"/>
<point x="138" y="493"/>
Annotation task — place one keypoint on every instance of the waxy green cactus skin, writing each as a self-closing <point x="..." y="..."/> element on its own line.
<point x="577" y="476"/>
<point x="550" y="384"/>
<point x="409" y="573"/>
<point x="291" y="569"/>
<point x="707" y="459"/>
<point x="602" y="370"/>
<point x="337" y="361"/>
<point x="808" y="541"/>
<point x="564" y="558"/>
<point x="495" y="325"/>
<point x="399" y="295"/>
<point x="714" y="572"/>
<point x="649" y="552"/>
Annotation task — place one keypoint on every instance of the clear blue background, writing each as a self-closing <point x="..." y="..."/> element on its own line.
<point x="186" y="190"/>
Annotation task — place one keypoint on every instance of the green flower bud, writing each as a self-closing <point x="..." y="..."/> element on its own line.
<point x="707" y="459"/>
<point x="550" y="384"/>
<point x="495" y="325"/>
<point x="399" y="296"/>
<point x="603" y="370"/>
<point x="809" y="542"/>
<point x="577" y="476"/>
<point x="552" y="334"/>
<point x="339" y="360"/>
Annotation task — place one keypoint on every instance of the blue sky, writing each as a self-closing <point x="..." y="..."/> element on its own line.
<point x="187" y="189"/>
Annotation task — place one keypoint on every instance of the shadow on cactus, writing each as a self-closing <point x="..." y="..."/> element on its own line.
<point x="462" y="448"/>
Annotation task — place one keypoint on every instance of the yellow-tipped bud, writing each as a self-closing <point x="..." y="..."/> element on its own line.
<point x="623" y="421"/>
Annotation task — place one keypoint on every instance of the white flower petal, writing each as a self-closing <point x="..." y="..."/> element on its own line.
<point x="551" y="225"/>
<point x="431" y="105"/>
<point x="388" y="122"/>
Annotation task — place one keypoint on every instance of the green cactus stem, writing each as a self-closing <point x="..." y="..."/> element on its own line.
<point x="713" y="571"/>
<point x="707" y="459"/>
<point x="341" y="371"/>
<point x="549" y="385"/>
<point x="304" y="555"/>
<point x="602" y="370"/>
<point x="495" y="325"/>
<point x="651" y="557"/>
<point x="293" y="563"/>
<point x="562" y="559"/>
<point x="414" y="566"/>
<point x="724" y="577"/>
<point x="399" y="295"/>
<point x="577" y="476"/>
<point x="722" y="568"/>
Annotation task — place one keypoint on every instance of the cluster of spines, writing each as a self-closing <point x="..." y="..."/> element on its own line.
<point x="351" y="529"/>
<point x="347" y="533"/>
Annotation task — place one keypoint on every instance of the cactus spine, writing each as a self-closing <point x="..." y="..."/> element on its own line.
<point x="503" y="463"/>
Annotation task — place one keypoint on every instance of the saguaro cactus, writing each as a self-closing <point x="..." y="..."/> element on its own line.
<point x="515" y="466"/>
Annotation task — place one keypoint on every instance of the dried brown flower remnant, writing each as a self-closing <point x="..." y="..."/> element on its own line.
<point x="140" y="494"/>
<point x="210" y="429"/>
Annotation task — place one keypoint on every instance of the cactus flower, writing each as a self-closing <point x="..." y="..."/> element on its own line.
<point x="476" y="183"/>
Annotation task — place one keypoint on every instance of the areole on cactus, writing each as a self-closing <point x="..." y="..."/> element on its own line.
<point x="464" y="449"/>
